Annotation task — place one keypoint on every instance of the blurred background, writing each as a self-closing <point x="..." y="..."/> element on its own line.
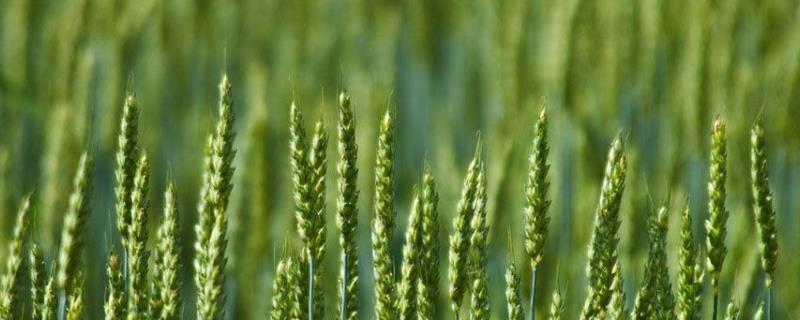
<point x="659" y="70"/>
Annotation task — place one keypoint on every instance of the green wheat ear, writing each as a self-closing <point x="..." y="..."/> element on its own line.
<point x="762" y="206"/>
<point x="116" y="301"/>
<point x="429" y="255"/>
<point x="718" y="215"/>
<point x="536" y="219"/>
<point x="126" y="157"/>
<point x="513" y="295"/>
<point x="603" y="251"/>
<point x="478" y="243"/>
<point x="284" y="287"/>
<point x="410" y="269"/>
<point x="138" y="254"/>
<point x="303" y="202"/>
<point x="459" y="240"/>
<point x="556" y="306"/>
<point x="347" y="210"/>
<point x="318" y="164"/>
<point x="211" y="228"/>
<point x="655" y="297"/>
<point x="384" y="220"/>
<point x="38" y="280"/>
<point x="167" y="285"/>
<point x="75" y="303"/>
<point x="733" y="312"/>
<point x="71" y="251"/>
<point x="759" y="315"/>
<point x="690" y="275"/>
<point x="12" y="279"/>
<point x="49" y="305"/>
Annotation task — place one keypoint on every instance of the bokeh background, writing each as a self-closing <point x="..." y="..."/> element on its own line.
<point x="659" y="70"/>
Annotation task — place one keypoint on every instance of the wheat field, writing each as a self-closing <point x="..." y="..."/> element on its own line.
<point x="439" y="159"/>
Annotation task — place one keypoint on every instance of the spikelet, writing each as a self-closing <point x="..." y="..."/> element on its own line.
<point x="347" y="210"/>
<point x="733" y="312"/>
<point x="211" y="227"/>
<point x="138" y="254"/>
<point x="49" y="305"/>
<point x="616" y="307"/>
<point x="478" y="243"/>
<point x="459" y="240"/>
<point x="762" y="206"/>
<point x="384" y="220"/>
<point x="12" y="279"/>
<point x="603" y="249"/>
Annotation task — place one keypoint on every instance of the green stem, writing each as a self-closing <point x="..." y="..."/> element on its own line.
<point x="310" y="286"/>
<point x="716" y="301"/>
<point x="344" y="289"/>
<point x="533" y="295"/>
<point x="768" y="306"/>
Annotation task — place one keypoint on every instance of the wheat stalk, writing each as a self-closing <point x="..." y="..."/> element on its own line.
<point x="459" y="240"/>
<point x="212" y="224"/>
<point x="12" y="279"/>
<point x="166" y="287"/>
<point x="536" y="219"/>
<point x="138" y="254"/>
<point x="478" y="242"/>
<point x="690" y="275"/>
<point x="716" y="224"/>
<point x="347" y="211"/>
<point x="116" y="302"/>
<point x="603" y="247"/>
<point x="383" y="222"/>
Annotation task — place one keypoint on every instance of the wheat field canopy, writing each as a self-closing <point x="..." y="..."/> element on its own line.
<point x="266" y="115"/>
